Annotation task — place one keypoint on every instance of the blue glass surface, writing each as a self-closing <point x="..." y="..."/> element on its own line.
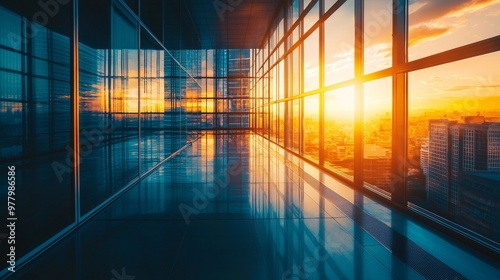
<point x="237" y="207"/>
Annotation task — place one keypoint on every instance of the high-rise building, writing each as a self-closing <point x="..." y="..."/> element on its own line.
<point x="479" y="201"/>
<point x="377" y="166"/>
<point x="438" y="177"/>
<point x="454" y="148"/>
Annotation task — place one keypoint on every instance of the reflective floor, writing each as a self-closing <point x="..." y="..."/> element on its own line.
<point x="238" y="207"/>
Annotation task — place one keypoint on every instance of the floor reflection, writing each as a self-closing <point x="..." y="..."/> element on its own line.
<point x="237" y="207"/>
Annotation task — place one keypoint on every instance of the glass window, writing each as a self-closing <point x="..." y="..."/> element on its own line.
<point x="378" y="35"/>
<point x="312" y="17"/>
<point x="378" y="133"/>
<point x="296" y="72"/>
<point x="311" y="62"/>
<point x="281" y="124"/>
<point x="296" y="124"/>
<point x="152" y="95"/>
<point x="306" y="3"/>
<point x="329" y="4"/>
<point x="339" y="45"/>
<point x="437" y="26"/>
<point x="339" y="131"/>
<point x="274" y="121"/>
<point x="35" y="125"/>
<point x="454" y="142"/>
<point x="108" y="104"/>
<point x="294" y="11"/>
<point x="311" y="127"/>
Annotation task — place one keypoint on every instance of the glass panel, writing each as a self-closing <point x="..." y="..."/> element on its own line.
<point x="311" y="127"/>
<point x="274" y="121"/>
<point x="378" y="35"/>
<point x="437" y="26"/>
<point x="295" y="10"/>
<point x="281" y="135"/>
<point x="311" y="62"/>
<point x="281" y="79"/>
<point x="378" y="133"/>
<point x="454" y="142"/>
<point x="339" y="131"/>
<point x="312" y="17"/>
<point x="296" y="124"/>
<point x="306" y="3"/>
<point x="296" y="72"/>
<point x="35" y="125"/>
<point x="329" y="4"/>
<point x="339" y="45"/>
<point x="108" y="103"/>
<point x="152" y="103"/>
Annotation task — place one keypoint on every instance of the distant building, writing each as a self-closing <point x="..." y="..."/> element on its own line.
<point x="377" y="166"/>
<point x="438" y="176"/>
<point x="454" y="148"/>
<point x="424" y="158"/>
<point x="479" y="200"/>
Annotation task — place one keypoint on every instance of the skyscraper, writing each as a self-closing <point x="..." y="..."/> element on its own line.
<point x="473" y="144"/>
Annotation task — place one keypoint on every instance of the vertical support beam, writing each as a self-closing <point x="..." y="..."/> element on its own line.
<point x="268" y="89"/>
<point x="139" y="136"/>
<point x="30" y="116"/>
<point x="286" y="62"/>
<point x="399" y="102"/>
<point x="301" y="86"/>
<point x="75" y="109"/>
<point x="321" y="85"/>
<point x="358" y="99"/>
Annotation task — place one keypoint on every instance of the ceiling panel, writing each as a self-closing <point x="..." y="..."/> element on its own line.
<point x="231" y="24"/>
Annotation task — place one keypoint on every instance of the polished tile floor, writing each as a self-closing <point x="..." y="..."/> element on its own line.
<point x="238" y="207"/>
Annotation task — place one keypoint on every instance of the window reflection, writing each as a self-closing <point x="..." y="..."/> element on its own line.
<point x="35" y="128"/>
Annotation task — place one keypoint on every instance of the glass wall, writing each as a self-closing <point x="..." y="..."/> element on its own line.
<point x="454" y="142"/>
<point x="35" y="125"/>
<point x="401" y="100"/>
<point x="120" y="102"/>
<point x="225" y="100"/>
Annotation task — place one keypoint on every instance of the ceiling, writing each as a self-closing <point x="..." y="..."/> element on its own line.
<point x="231" y="24"/>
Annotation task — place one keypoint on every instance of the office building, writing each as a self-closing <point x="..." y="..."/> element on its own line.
<point x="456" y="151"/>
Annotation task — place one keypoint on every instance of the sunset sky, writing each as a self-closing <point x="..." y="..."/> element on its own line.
<point x="469" y="85"/>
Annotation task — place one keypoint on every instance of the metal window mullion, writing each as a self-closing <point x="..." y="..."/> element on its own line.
<point x="75" y="110"/>
<point x="321" y="85"/>
<point x="358" y="98"/>
<point x="400" y="102"/>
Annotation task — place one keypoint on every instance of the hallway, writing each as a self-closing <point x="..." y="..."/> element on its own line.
<point x="239" y="207"/>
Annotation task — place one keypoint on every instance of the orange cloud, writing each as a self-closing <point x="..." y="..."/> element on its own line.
<point x="433" y="10"/>
<point x="425" y="33"/>
<point x="460" y="88"/>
